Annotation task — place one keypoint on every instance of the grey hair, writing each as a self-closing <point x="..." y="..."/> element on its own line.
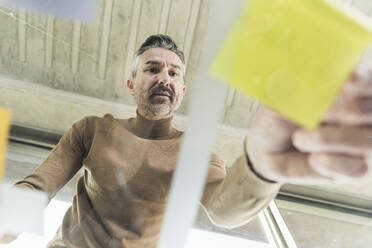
<point x="157" y="41"/>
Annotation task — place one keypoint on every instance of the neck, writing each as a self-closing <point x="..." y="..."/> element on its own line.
<point x="149" y="116"/>
<point x="159" y="128"/>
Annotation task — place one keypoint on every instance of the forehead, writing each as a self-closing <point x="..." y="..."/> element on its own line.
<point x="161" y="55"/>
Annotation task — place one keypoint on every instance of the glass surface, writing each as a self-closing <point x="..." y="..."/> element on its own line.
<point x="312" y="229"/>
<point x="54" y="72"/>
<point x="251" y="231"/>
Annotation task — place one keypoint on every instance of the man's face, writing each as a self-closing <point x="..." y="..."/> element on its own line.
<point x="158" y="86"/>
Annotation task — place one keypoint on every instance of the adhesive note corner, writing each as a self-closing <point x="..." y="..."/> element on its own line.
<point x="4" y="129"/>
<point x="292" y="55"/>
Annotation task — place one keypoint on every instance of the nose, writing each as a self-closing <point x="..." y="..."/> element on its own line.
<point x="164" y="78"/>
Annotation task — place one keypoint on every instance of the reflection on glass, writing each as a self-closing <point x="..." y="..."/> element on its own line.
<point x="251" y="231"/>
<point x="314" y="227"/>
<point x="55" y="72"/>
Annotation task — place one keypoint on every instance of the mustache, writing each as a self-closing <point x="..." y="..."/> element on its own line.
<point x="160" y="89"/>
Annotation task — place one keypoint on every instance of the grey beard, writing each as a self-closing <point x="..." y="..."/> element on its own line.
<point x="154" y="109"/>
<point x="158" y="110"/>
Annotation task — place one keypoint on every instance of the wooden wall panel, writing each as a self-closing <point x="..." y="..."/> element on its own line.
<point x="195" y="50"/>
<point x="22" y="19"/>
<point x="9" y="52"/>
<point x="95" y="59"/>
<point x="35" y="39"/>
<point x="104" y="38"/>
<point x="130" y="49"/>
<point x="49" y="41"/>
<point x="149" y="20"/>
<point x="117" y="52"/>
<point x="178" y="20"/>
<point x="87" y="81"/>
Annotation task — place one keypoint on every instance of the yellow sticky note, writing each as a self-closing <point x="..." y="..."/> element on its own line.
<point x="4" y="130"/>
<point x="293" y="55"/>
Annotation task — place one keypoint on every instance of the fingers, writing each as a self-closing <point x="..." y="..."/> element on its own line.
<point x="291" y="167"/>
<point x="296" y="167"/>
<point x="338" y="166"/>
<point x="354" y="104"/>
<point x="358" y="89"/>
<point x="360" y="82"/>
<point x="348" y="140"/>
<point x="351" y="111"/>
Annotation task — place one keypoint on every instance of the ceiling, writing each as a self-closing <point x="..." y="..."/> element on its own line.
<point x="95" y="59"/>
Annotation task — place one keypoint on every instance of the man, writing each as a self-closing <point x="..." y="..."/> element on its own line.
<point x="128" y="164"/>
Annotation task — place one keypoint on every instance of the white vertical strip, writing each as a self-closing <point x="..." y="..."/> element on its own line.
<point x="282" y="226"/>
<point x="136" y="12"/>
<point x="22" y="35"/>
<point x="193" y="162"/>
<point x="105" y="38"/>
<point x="275" y="228"/>
<point x="75" y="46"/>
<point x="49" y="41"/>
<point x="189" y="35"/>
<point x="273" y="232"/>
<point x="267" y="228"/>
<point x="163" y="22"/>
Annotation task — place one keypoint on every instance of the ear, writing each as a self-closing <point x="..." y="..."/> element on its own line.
<point x="184" y="89"/>
<point x="130" y="86"/>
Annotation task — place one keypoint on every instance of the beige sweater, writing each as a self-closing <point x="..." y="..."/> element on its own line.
<point x="127" y="169"/>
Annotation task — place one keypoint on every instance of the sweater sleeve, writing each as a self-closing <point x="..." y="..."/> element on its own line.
<point x="233" y="199"/>
<point x="62" y="163"/>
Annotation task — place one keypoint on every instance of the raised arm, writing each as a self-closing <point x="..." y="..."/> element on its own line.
<point x="278" y="152"/>
<point x="233" y="199"/>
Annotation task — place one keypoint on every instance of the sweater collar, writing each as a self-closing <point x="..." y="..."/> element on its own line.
<point x="152" y="129"/>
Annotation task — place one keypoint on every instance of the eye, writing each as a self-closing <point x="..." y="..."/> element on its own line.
<point x="173" y="74"/>
<point x="153" y="70"/>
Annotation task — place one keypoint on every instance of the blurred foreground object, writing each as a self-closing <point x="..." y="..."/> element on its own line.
<point x="84" y="10"/>
<point x="293" y="55"/>
<point x="4" y="130"/>
<point x="21" y="210"/>
<point x="16" y="204"/>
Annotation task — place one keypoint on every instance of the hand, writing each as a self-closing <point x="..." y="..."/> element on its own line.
<point x="7" y="238"/>
<point x="338" y="150"/>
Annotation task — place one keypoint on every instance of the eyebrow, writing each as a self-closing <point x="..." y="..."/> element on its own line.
<point x="154" y="62"/>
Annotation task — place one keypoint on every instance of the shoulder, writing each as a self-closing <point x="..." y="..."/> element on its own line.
<point x="93" y="120"/>
<point x="92" y="124"/>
